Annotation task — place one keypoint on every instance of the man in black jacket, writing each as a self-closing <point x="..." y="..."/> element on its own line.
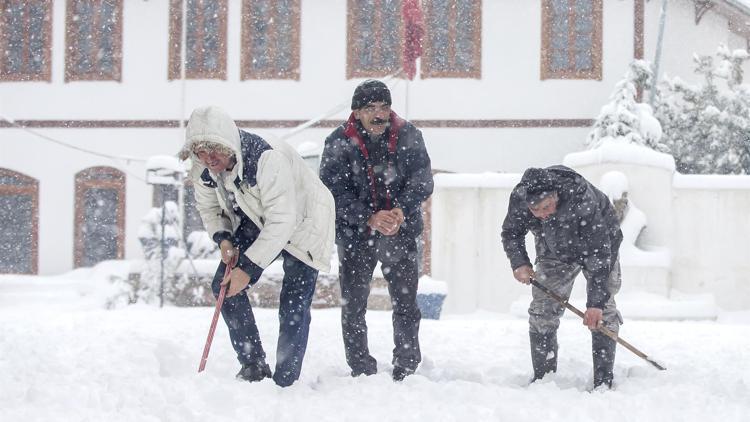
<point x="378" y="171"/>
<point x="575" y="228"/>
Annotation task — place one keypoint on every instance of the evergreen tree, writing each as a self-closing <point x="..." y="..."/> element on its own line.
<point x="707" y="126"/>
<point x="625" y="120"/>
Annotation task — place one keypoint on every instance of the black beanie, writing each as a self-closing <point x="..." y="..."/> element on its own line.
<point x="370" y="91"/>
<point x="538" y="184"/>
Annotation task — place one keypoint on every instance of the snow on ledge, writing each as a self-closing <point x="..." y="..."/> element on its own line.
<point x="428" y="285"/>
<point x="711" y="181"/>
<point x="477" y="180"/>
<point x="614" y="152"/>
<point x="164" y="162"/>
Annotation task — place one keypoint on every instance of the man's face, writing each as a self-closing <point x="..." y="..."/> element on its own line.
<point x="215" y="160"/>
<point x="544" y="208"/>
<point x="374" y="117"/>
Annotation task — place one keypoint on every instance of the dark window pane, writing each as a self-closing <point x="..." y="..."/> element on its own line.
<point x="37" y="14"/>
<point x="390" y="35"/>
<point x="9" y="179"/>
<point x="84" y="34"/>
<point x="16" y="228"/>
<point x="106" y="54"/>
<point x="584" y="34"/>
<point x="464" y="59"/>
<point x="439" y="39"/>
<point x="193" y="15"/>
<point x="14" y="13"/>
<point x="365" y="34"/>
<point x="100" y="230"/>
<point x="261" y="15"/>
<point x="285" y="36"/>
<point x="211" y="36"/>
<point x="559" y="34"/>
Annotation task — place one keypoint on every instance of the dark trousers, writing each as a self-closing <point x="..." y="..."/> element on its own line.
<point x="295" y="299"/>
<point x="357" y="260"/>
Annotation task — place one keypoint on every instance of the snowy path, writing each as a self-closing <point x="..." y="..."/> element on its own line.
<point x="64" y="359"/>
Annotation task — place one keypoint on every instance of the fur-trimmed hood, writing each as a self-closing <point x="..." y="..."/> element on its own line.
<point x="211" y="124"/>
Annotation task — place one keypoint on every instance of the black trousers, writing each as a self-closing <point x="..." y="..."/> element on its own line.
<point x="297" y="289"/>
<point x="357" y="259"/>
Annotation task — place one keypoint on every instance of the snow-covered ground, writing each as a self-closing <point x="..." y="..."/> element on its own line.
<point x="65" y="358"/>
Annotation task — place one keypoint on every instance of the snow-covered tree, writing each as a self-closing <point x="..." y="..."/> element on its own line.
<point x="707" y="126"/>
<point x="625" y="120"/>
<point x="179" y="287"/>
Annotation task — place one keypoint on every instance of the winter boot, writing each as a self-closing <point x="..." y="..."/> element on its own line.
<point x="603" y="352"/>
<point x="370" y="370"/>
<point x="399" y="373"/>
<point x="543" y="353"/>
<point x="254" y="372"/>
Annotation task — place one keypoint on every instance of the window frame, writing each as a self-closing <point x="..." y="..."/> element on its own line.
<point x="175" y="44"/>
<point x="352" y="49"/>
<point x="46" y="74"/>
<point x="546" y="53"/>
<point x="89" y="178"/>
<point x="247" y="73"/>
<point x="476" y="67"/>
<point x="72" y="52"/>
<point x="29" y="187"/>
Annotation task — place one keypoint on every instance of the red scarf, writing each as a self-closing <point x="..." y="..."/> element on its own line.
<point x="396" y="123"/>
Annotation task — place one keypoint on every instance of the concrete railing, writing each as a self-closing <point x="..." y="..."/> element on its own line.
<point x="695" y="240"/>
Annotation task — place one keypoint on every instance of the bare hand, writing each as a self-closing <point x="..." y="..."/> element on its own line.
<point x="592" y="318"/>
<point x="524" y="274"/>
<point x="237" y="281"/>
<point x="385" y="222"/>
<point x="228" y="251"/>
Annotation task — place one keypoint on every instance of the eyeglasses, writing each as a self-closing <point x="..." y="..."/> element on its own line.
<point x="204" y="155"/>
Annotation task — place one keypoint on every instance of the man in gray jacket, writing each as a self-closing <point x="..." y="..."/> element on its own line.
<point x="259" y="199"/>
<point x="575" y="228"/>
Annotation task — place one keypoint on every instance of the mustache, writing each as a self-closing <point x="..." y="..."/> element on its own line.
<point x="379" y="121"/>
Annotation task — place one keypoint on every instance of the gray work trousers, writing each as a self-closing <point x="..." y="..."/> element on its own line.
<point x="545" y="312"/>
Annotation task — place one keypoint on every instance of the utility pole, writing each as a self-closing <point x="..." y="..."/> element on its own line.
<point x="657" y="58"/>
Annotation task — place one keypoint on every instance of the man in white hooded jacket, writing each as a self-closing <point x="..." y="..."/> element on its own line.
<point x="259" y="199"/>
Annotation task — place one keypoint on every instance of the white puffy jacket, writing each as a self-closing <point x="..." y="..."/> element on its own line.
<point x="288" y="202"/>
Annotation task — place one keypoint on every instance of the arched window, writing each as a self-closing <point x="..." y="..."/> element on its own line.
<point x="100" y="215"/>
<point x="19" y="223"/>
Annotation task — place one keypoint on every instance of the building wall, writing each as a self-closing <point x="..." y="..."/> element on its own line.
<point x="510" y="89"/>
<point x="683" y="37"/>
<point x="711" y="253"/>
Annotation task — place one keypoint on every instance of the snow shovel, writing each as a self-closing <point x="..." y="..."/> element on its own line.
<point x="217" y="311"/>
<point x="602" y="329"/>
